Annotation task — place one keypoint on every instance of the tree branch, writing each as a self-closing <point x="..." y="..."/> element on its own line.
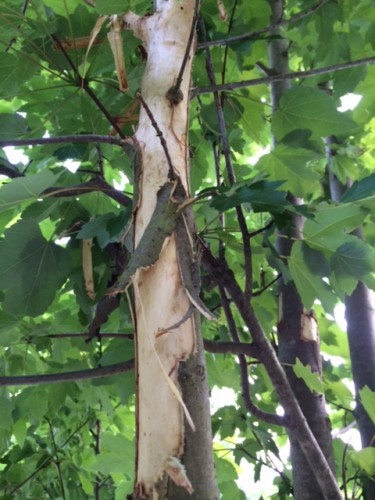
<point x="53" y="378"/>
<point x="236" y="347"/>
<point x="245" y="386"/>
<point x="72" y="139"/>
<point x="277" y="78"/>
<point x="96" y="184"/>
<point x="294" y="417"/>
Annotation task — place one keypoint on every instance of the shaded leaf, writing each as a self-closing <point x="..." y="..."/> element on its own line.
<point x="361" y="190"/>
<point x="12" y="126"/>
<point x="25" y="188"/>
<point x="32" y="269"/>
<point x="262" y="195"/>
<point x="354" y="258"/>
<point x="310" y="286"/>
<point x="368" y="401"/>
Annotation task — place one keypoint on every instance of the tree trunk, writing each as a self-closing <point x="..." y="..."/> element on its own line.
<point x="292" y="343"/>
<point x="360" y="318"/>
<point x="161" y="300"/>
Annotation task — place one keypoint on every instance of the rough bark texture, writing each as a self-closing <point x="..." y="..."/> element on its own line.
<point x="360" y="318"/>
<point x="291" y="343"/>
<point x="198" y="456"/>
<point x="160" y="297"/>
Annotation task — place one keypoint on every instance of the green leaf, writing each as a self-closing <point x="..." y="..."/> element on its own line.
<point x="32" y="269"/>
<point x="310" y="286"/>
<point x="311" y="379"/>
<point x="361" y="190"/>
<point x="116" y="455"/>
<point x="262" y="195"/>
<point x="353" y="258"/>
<point x="327" y="230"/>
<point x="290" y="165"/>
<point x="25" y="188"/>
<point x="6" y="409"/>
<point x="111" y="6"/>
<point x="308" y="108"/>
<point x="365" y="460"/>
<point x="226" y="471"/>
<point x="12" y="126"/>
<point x="106" y="228"/>
<point x="368" y="401"/>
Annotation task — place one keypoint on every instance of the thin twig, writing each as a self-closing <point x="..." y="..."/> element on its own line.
<point x="259" y="292"/>
<point x="48" y="460"/>
<point x="189" y="44"/>
<point x="254" y="34"/>
<point x="84" y="84"/>
<point x="57" y="459"/>
<point x="277" y="78"/>
<point x="23" y="12"/>
<point x="231" y="174"/>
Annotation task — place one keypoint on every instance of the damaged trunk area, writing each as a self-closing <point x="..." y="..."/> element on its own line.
<point x="166" y="282"/>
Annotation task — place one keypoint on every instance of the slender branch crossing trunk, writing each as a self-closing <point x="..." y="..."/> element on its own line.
<point x="294" y="341"/>
<point x="161" y="300"/>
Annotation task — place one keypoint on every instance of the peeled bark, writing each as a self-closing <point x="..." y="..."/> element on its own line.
<point x="293" y="341"/>
<point x="160" y="297"/>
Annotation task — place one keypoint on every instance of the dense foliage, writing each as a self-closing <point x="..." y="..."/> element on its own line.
<point x="71" y="439"/>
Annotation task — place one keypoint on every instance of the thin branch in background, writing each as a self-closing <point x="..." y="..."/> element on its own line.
<point x="230" y="172"/>
<point x="72" y="139"/>
<point x="245" y="386"/>
<point x="174" y="94"/>
<point x="51" y="378"/>
<point x="255" y="34"/>
<point x="263" y="289"/>
<point x="100" y="160"/>
<point x="218" y="184"/>
<point x="57" y="459"/>
<point x="84" y="84"/>
<point x="226" y="50"/>
<point x="277" y="78"/>
<point x="97" y="435"/>
<point x="129" y="336"/>
<point x="49" y="460"/>
<point x="23" y="12"/>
